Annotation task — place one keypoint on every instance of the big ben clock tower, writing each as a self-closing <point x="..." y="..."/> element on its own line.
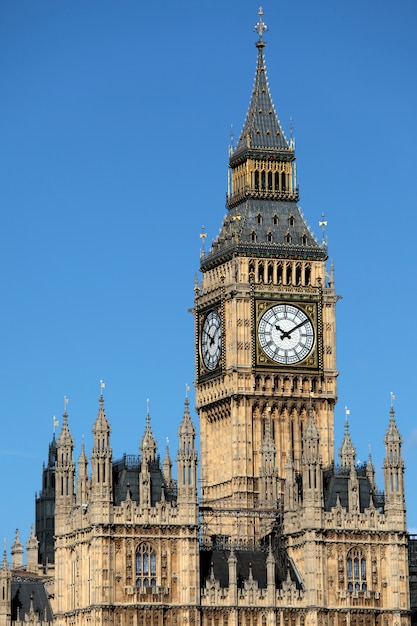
<point x="265" y="332"/>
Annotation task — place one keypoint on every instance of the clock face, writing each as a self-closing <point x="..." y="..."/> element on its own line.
<point x="286" y="334"/>
<point x="211" y="340"/>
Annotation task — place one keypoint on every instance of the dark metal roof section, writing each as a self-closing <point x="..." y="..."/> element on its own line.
<point x="336" y="489"/>
<point x="263" y="217"/>
<point x="30" y="601"/>
<point x="250" y="564"/>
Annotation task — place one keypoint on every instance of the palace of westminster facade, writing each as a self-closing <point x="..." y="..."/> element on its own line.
<point x="281" y="533"/>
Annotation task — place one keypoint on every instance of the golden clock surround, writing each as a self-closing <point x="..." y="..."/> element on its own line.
<point x="312" y="309"/>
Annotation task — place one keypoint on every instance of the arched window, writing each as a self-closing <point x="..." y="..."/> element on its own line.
<point x="356" y="570"/>
<point x="145" y="563"/>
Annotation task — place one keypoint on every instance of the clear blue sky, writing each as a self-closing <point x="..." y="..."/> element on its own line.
<point x="114" y="122"/>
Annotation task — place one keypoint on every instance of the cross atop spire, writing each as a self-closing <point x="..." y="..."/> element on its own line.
<point x="260" y="28"/>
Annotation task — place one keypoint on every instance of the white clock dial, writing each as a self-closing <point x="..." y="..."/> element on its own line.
<point x="211" y="340"/>
<point x="286" y="334"/>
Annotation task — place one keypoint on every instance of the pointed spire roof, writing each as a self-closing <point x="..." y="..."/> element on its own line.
<point x="5" y="566"/>
<point x="32" y="542"/>
<point x="52" y="452"/>
<point x="65" y="437"/>
<point x="101" y="424"/>
<point x="262" y="129"/>
<point x="148" y="443"/>
<point x="393" y="434"/>
<point x="347" y="451"/>
<point x="82" y="461"/>
<point x="186" y="427"/>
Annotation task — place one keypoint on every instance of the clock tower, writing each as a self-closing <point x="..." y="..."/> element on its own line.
<point x="265" y="333"/>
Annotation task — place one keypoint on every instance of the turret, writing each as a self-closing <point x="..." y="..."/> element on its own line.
<point x="187" y="461"/>
<point x="32" y="545"/>
<point x="83" y="483"/>
<point x="5" y="593"/>
<point x="45" y="506"/>
<point x="148" y="457"/>
<point x="17" y="552"/>
<point x="394" y="475"/>
<point x="65" y="469"/>
<point x="347" y="463"/>
<point x="268" y="470"/>
<point x="167" y="468"/>
<point x="101" y="464"/>
<point x="311" y="469"/>
<point x="290" y="488"/>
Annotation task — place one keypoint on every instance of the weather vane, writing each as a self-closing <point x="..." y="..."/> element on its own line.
<point x="203" y="235"/>
<point x="55" y="422"/>
<point x="187" y="389"/>
<point x="102" y="386"/>
<point x="65" y="404"/>
<point x="347" y="413"/>
<point x="260" y="27"/>
<point x="392" y="396"/>
<point x="323" y="224"/>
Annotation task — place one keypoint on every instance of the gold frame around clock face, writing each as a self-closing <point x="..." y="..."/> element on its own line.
<point x="211" y="340"/>
<point x="286" y="334"/>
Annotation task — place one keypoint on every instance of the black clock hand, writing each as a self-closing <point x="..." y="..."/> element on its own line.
<point x="287" y="333"/>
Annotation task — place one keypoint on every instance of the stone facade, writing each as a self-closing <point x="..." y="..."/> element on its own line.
<point x="281" y="534"/>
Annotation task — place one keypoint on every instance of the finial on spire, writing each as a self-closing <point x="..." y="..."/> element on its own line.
<point x="203" y="235"/>
<point x="392" y="396"/>
<point x="65" y="404"/>
<point x="232" y="141"/>
<point x="187" y="389"/>
<point x="347" y="413"/>
<point x="102" y="386"/>
<point x="260" y="28"/>
<point x="148" y="415"/>
<point x="323" y="224"/>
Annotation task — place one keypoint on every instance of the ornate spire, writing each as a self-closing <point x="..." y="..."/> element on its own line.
<point x="148" y="443"/>
<point x="347" y="451"/>
<point x="263" y="217"/>
<point x="186" y="427"/>
<point x="65" y="437"/>
<point x="101" y="424"/>
<point x="311" y="439"/>
<point x="262" y="129"/>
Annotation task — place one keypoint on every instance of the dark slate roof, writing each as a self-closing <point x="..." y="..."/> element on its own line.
<point x="126" y="473"/>
<point x="336" y="484"/>
<point x="262" y="129"/>
<point x="26" y="588"/>
<point x="255" y="558"/>
<point x="261" y="228"/>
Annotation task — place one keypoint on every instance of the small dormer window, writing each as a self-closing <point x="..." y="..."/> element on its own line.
<point x="291" y="220"/>
<point x="304" y="240"/>
<point x="253" y="236"/>
<point x="259" y="219"/>
<point x="275" y="220"/>
<point x="288" y="238"/>
<point x="269" y="237"/>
